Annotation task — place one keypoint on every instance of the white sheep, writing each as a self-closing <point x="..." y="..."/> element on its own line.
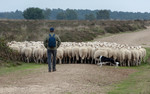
<point x="59" y="55"/>
<point x="75" y="53"/>
<point x="68" y="51"/>
<point x="27" y="53"/>
<point x="38" y="54"/>
<point x="128" y="56"/>
<point x="83" y="51"/>
<point x="87" y="51"/>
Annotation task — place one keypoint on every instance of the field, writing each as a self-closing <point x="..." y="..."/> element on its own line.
<point x="81" y="78"/>
<point x="76" y="31"/>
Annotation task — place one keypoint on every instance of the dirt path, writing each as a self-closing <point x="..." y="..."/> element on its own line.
<point x="141" y="37"/>
<point x="68" y="79"/>
<point x="72" y="78"/>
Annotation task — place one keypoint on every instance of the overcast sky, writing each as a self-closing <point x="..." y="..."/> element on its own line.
<point x="114" y="5"/>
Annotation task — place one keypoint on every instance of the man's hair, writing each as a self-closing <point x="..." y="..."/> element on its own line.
<point x="51" y="29"/>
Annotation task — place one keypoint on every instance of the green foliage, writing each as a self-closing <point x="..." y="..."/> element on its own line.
<point x="7" y="56"/>
<point x="33" y="13"/>
<point x="103" y="14"/>
<point x="71" y="14"/>
<point x="11" y="15"/>
<point x="147" y="58"/>
<point x="47" y="13"/>
<point x="116" y="15"/>
<point x="61" y="16"/>
<point x="24" y="66"/>
<point x="112" y="29"/>
<point x="90" y="17"/>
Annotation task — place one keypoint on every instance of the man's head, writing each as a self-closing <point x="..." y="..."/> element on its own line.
<point x="51" y="29"/>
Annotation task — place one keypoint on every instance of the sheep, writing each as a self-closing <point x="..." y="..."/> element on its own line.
<point x="121" y="56"/>
<point x="38" y="54"/>
<point x="143" y="54"/>
<point x="15" y="48"/>
<point x="135" y="57"/>
<point x="45" y="55"/>
<point x="65" y="55"/>
<point x="75" y="54"/>
<point x="59" y="55"/>
<point x="128" y="57"/>
<point x="92" y="54"/>
<point x="83" y="51"/>
<point x="28" y="53"/>
<point x="68" y="50"/>
<point x="87" y="51"/>
<point x="112" y="54"/>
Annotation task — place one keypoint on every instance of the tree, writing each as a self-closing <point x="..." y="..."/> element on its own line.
<point x="47" y="13"/>
<point x="89" y="17"/>
<point x="33" y="13"/>
<point x="61" y="16"/>
<point x="103" y="14"/>
<point x="71" y="14"/>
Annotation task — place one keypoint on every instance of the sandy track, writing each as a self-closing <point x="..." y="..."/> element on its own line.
<point x="73" y="78"/>
<point x="141" y="37"/>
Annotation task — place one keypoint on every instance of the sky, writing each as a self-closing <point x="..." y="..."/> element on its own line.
<point x="113" y="5"/>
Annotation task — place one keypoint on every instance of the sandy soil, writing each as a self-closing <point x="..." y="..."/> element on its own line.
<point x="68" y="79"/>
<point x="73" y="78"/>
<point x="141" y="37"/>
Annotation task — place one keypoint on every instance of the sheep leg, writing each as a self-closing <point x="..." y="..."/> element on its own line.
<point x="25" y="59"/>
<point x="60" y="61"/>
<point x="84" y="60"/>
<point x="144" y="60"/>
<point x="37" y="61"/>
<point x="69" y="60"/>
<point x="64" y="59"/>
<point x="41" y="60"/>
<point x="76" y="61"/>
<point x="140" y="61"/>
<point x="28" y="60"/>
<point x="92" y="61"/>
<point x="73" y="60"/>
<point x="128" y="63"/>
<point x="95" y="61"/>
<point x="137" y="63"/>
<point x="81" y="60"/>
<point x="124" y="63"/>
<point x="34" y="59"/>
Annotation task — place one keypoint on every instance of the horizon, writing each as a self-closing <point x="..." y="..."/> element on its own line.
<point x="115" y="5"/>
<point x="77" y="9"/>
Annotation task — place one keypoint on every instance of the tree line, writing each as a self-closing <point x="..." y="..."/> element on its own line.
<point x="73" y="14"/>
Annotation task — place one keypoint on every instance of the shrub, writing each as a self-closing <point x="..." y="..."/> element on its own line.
<point x="112" y="29"/>
<point x="7" y="56"/>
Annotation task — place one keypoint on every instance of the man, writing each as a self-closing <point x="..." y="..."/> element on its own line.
<point x="52" y="42"/>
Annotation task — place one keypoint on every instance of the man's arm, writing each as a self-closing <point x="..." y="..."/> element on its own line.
<point x="58" y="41"/>
<point x="46" y="43"/>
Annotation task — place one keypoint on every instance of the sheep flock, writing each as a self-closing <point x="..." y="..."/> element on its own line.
<point x="80" y="52"/>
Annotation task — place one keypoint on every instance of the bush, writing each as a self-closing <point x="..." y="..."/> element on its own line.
<point x="33" y="13"/>
<point x="112" y="29"/>
<point x="7" y="56"/>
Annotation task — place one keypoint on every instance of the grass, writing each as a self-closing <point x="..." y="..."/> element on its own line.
<point x="137" y="83"/>
<point x="24" y="66"/>
<point x="78" y="31"/>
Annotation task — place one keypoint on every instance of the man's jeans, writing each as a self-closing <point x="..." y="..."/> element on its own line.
<point x="49" y="53"/>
